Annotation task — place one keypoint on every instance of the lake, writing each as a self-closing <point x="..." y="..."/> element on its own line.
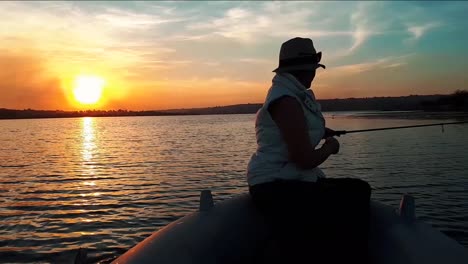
<point x="107" y="183"/>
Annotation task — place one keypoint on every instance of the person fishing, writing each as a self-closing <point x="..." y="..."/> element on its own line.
<point x="311" y="217"/>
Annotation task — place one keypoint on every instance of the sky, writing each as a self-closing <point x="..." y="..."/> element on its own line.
<point x="165" y="55"/>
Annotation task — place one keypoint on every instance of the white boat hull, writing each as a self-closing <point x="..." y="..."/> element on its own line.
<point x="233" y="232"/>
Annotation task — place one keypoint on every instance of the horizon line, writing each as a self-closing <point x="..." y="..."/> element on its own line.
<point x="203" y="107"/>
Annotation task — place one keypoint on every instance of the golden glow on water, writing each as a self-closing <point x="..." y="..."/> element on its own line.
<point x="90" y="194"/>
<point x="120" y="178"/>
<point x="88" y="146"/>
<point x="89" y="149"/>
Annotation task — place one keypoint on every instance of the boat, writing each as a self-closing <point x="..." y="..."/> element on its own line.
<point x="232" y="231"/>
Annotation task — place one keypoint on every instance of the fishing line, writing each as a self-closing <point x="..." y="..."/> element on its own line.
<point x="343" y="132"/>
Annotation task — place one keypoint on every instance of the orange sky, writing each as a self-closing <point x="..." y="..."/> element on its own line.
<point x="161" y="55"/>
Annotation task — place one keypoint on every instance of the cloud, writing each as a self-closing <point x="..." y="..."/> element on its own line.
<point x="364" y="24"/>
<point x="237" y="23"/>
<point x="254" y="60"/>
<point x="418" y="31"/>
<point x="376" y="19"/>
<point x="147" y="33"/>
<point x="143" y="42"/>
<point x="258" y="23"/>
<point x="130" y="20"/>
<point x="395" y="65"/>
<point x="358" y="68"/>
<point x="360" y="33"/>
<point x="69" y="35"/>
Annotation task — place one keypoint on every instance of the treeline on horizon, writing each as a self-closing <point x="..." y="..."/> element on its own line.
<point x="458" y="101"/>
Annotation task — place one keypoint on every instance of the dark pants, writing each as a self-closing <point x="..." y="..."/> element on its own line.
<point x="325" y="221"/>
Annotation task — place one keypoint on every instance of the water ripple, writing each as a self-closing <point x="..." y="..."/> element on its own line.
<point x="107" y="183"/>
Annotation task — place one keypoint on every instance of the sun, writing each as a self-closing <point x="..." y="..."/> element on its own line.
<point x="88" y="89"/>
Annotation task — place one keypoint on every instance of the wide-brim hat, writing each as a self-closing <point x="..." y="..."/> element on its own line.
<point x="298" y="54"/>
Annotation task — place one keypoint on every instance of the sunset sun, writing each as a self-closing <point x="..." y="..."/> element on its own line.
<point x="88" y="89"/>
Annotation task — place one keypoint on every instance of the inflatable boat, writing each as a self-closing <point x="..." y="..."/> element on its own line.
<point x="233" y="232"/>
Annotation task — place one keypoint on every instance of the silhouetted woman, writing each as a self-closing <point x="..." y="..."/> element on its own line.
<point x="312" y="218"/>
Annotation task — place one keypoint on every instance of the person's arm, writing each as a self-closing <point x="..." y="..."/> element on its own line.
<point x="289" y="117"/>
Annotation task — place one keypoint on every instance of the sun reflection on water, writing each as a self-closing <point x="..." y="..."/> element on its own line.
<point x="89" y="183"/>
<point x="88" y="139"/>
<point x="89" y="149"/>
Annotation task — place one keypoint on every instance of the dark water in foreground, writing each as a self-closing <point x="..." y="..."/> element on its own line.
<point x="107" y="183"/>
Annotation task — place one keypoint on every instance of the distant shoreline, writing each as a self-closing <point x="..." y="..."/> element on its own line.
<point x="379" y="114"/>
<point x="439" y="106"/>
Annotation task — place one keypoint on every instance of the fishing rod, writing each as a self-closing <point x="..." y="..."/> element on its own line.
<point x="343" y="132"/>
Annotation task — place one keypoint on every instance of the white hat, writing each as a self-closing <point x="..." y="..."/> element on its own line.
<point x="298" y="54"/>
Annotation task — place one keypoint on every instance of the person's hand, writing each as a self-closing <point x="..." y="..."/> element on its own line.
<point x="329" y="133"/>
<point x="333" y="133"/>
<point x="332" y="145"/>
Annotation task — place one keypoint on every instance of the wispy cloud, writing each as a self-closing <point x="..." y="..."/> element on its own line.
<point x="364" y="25"/>
<point x="69" y="35"/>
<point x="254" y="60"/>
<point x="360" y="33"/>
<point x="357" y="68"/>
<point x="395" y="65"/>
<point x="131" y="20"/>
<point x="237" y="23"/>
<point x="417" y="31"/>
<point x="269" y="20"/>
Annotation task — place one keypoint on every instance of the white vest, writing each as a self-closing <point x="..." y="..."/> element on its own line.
<point x="271" y="160"/>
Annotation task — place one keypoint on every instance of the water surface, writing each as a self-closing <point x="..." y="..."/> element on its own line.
<point x="107" y="183"/>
